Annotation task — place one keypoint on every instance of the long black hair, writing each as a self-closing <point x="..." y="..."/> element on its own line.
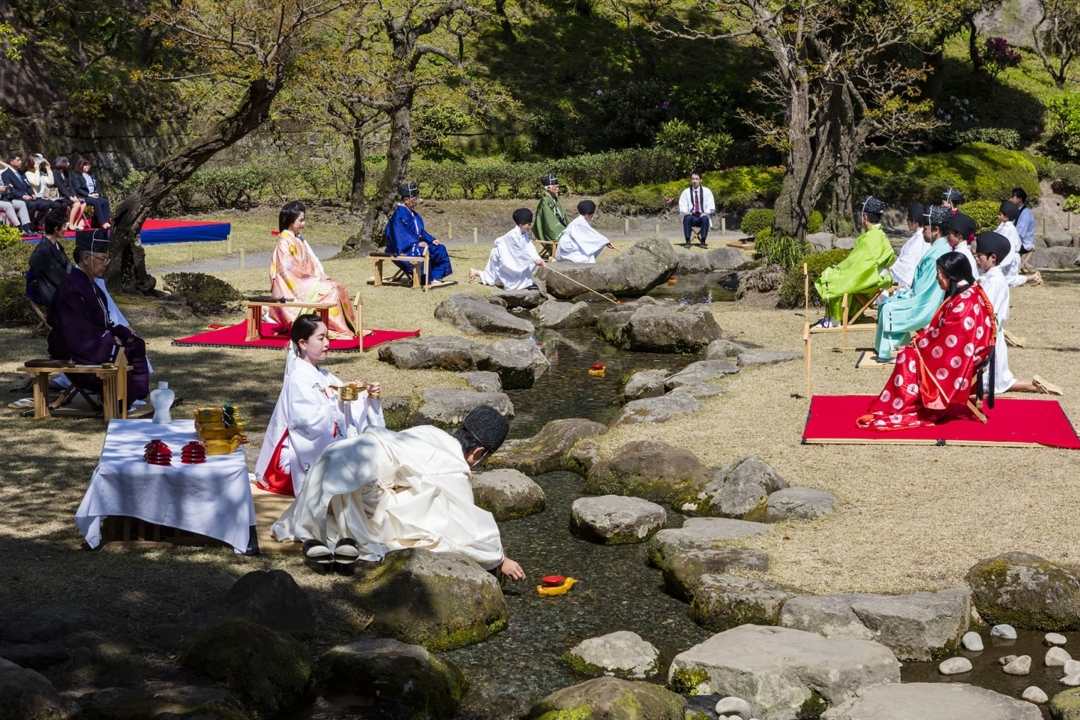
<point x="303" y="327"/>
<point x="957" y="268"/>
<point x="289" y="213"/>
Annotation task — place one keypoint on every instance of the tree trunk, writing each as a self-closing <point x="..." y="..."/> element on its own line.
<point x="397" y="162"/>
<point x="973" y="45"/>
<point x="847" y="140"/>
<point x="142" y="201"/>
<point x="809" y="167"/>
<point x="357" y="197"/>
<point x="504" y="21"/>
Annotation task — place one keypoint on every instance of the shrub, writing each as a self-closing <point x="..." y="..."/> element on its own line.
<point x="997" y="55"/>
<point x="14" y="307"/>
<point x="1005" y="137"/>
<point x="637" y="201"/>
<point x="984" y="213"/>
<point x="762" y="280"/>
<point x="754" y="221"/>
<point x="814" y="222"/>
<point x="1065" y="178"/>
<point x="694" y="147"/>
<point x="241" y="187"/>
<point x="763" y="236"/>
<point x="10" y="238"/>
<point x="204" y="294"/>
<point x="1063" y="121"/>
<point x="785" y="251"/>
<point x="1072" y="204"/>
<point x="982" y="171"/>
<point x="790" y="294"/>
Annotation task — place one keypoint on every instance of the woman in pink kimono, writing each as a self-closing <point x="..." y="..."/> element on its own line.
<point x="296" y="273"/>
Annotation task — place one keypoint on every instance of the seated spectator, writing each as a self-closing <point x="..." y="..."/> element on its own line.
<point x="12" y="207"/>
<point x="65" y="190"/>
<point x="88" y="188"/>
<point x="36" y="206"/>
<point x="49" y="264"/>
<point x="83" y="329"/>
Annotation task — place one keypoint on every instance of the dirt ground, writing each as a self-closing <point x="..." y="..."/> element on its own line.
<point x="909" y="517"/>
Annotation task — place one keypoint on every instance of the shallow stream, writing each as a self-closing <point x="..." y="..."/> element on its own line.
<point x="617" y="589"/>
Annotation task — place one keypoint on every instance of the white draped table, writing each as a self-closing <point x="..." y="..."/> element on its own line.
<point x="211" y="498"/>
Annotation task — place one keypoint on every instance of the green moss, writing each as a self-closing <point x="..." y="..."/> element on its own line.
<point x="758" y="512"/>
<point x="690" y="682"/>
<point x="582" y="712"/>
<point x="812" y="707"/>
<point x="1028" y="609"/>
<point x="1066" y="705"/>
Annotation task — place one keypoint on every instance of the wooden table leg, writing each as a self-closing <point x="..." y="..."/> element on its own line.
<point x="254" y="320"/>
<point x="41" y="396"/>
<point x="416" y="275"/>
<point x="108" y="396"/>
<point x="378" y="272"/>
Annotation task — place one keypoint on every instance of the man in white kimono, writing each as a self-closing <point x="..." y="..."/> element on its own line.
<point x="1010" y="266"/>
<point x="511" y="262"/>
<point x="386" y="490"/>
<point x="696" y="205"/>
<point x="988" y="247"/>
<point x="579" y="242"/>
<point x="903" y="270"/>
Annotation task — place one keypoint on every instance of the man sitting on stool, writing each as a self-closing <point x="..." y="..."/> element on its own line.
<point x="405" y="235"/>
<point x="696" y="204"/>
<point x="82" y="329"/>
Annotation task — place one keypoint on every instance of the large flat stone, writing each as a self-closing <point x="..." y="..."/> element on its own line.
<point x="669" y="329"/>
<point x="735" y="490"/>
<point x="782" y="673"/>
<point x="684" y="570"/>
<point x="918" y="626"/>
<point x="548" y="450"/>
<point x="443" y="352"/>
<point x="721" y="602"/>
<point x="656" y="409"/>
<point x="1056" y="258"/>
<point x="447" y="408"/>
<point x="1026" y="591"/>
<point x="559" y="315"/>
<point x="622" y="654"/>
<point x="932" y="701"/>
<point x="518" y="363"/>
<point x="701" y="371"/>
<point x="753" y="358"/>
<point x="648" y="469"/>
<point x="645" y="384"/>
<point x="801" y="503"/>
<point x="717" y="260"/>
<point x="483" y="380"/>
<point x="700" y="534"/>
<point x="507" y="494"/>
<point x="609" y="698"/>
<point x="629" y="274"/>
<point x="476" y="314"/>
<point x="616" y="519"/>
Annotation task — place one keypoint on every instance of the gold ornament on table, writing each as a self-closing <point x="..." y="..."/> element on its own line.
<point x="220" y="429"/>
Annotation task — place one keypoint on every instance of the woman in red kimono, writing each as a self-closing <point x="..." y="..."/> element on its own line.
<point x="295" y="272"/>
<point x="936" y="369"/>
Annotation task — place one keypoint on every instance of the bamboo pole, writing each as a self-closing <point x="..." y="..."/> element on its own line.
<point x="563" y="275"/>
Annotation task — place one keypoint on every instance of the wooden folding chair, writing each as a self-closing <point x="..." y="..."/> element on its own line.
<point x="43" y="323"/>
<point x="358" y="318"/>
<point x="985" y="368"/>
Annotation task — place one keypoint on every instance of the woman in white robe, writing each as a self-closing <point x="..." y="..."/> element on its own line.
<point x="579" y="242"/>
<point x="511" y="262"/>
<point x="388" y="490"/>
<point x="309" y="414"/>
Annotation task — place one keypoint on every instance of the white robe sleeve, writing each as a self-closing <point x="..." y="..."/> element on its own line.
<point x="710" y="202"/>
<point x="903" y="270"/>
<point x="580" y="242"/>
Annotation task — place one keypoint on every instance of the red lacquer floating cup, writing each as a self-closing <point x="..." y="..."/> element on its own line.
<point x="552" y="580"/>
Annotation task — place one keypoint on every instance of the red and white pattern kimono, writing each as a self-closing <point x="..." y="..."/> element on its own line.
<point x="936" y="369"/>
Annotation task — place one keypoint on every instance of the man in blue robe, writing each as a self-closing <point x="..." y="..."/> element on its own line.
<point x="82" y="329"/>
<point x="911" y="309"/>
<point x="405" y="235"/>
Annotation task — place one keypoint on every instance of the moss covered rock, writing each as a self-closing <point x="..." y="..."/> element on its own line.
<point x="683" y="570"/>
<point x="267" y="669"/>
<point x="547" y="450"/>
<point x="609" y="698"/>
<point x="153" y="698"/>
<point x="439" y="600"/>
<point x="1026" y="591"/>
<point x="1066" y="705"/>
<point x="507" y="494"/>
<point x="648" y="469"/>
<point x="396" y="679"/>
<point x="722" y="602"/>
<point x="699" y="534"/>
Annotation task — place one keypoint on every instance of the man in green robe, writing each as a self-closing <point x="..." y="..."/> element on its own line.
<point x="550" y="218"/>
<point x="863" y="271"/>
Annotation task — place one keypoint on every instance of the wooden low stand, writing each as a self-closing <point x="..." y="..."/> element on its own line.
<point x="254" y="313"/>
<point x="113" y="380"/>
<point x="546" y="246"/>
<point x="129" y="532"/>
<point x="420" y="266"/>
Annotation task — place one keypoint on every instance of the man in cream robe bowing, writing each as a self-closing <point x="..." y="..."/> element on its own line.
<point x="513" y="259"/>
<point x="579" y="242"/>
<point x="385" y="490"/>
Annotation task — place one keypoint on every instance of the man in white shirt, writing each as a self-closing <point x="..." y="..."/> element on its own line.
<point x="579" y="242"/>
<point x="696" y="205"/>
<point x="1010" y="266"/>
<point x="1025" y="225"/>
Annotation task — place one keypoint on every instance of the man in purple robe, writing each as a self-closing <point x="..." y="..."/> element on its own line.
<point x="81" y="328"/>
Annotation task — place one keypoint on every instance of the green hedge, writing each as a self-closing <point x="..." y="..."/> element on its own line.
<point x="754" y="221"/>
<point x="14" y="307"/>
<point x="984" y="213"/>
<point x="204" y="294"/>
<point x="735" y="190"/>
<point x="790" y="294"/>
<point x="982" y="171"/>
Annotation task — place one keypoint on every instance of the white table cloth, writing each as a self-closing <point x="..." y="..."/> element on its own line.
<point x="211" y="499"/>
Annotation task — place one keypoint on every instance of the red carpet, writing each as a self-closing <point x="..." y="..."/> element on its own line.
<point x="1012" y="423"/>
<point x="233" y="336"/>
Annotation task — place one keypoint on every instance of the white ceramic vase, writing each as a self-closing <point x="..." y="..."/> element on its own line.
<point x="162" y="400"/>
